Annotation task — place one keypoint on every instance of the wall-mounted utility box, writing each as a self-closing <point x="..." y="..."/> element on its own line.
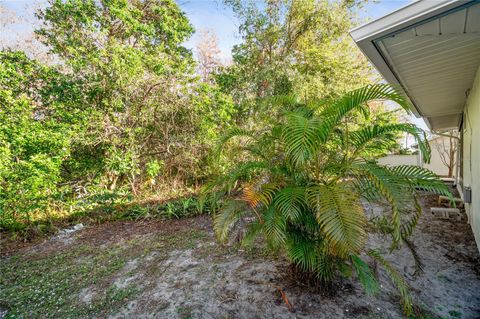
<point x="467" y="194"/>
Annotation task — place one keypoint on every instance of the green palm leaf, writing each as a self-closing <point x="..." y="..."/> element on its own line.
<point x="362" y="138"/>
<point x="340" y="215"/>
<point x="290" y="202"/>
<point x="300" y="135"/>
<point x="274" y="227"/>
<point x="253" y="230"/>
<point x="327" y="265"/>
<point x="422" y="178"/>
<point x="236" y="132"/>
<point x="397" y="280"/>
<point x="392" y="187"/>
<point x="302" y="251"/>
<point x="242" y="171"/>
<point x="365" y="275"/>
<point x="357" y="99"/>
<point x="227" y="217"/>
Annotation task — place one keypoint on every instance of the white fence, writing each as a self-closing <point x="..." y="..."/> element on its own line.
<point x="436" y="165"/>
<point x="396" y="160"/>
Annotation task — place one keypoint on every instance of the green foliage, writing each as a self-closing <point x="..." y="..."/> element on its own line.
<point x="145" y="103"/>
<point x="31" y="154"/>
<point x="121" y="112"/>
<point x="121" y="115"/>
<point x="305" y="180"/>
<point x="154" y="168"/>
<point x="178" y="208"/>
<point x="291" y="47"/>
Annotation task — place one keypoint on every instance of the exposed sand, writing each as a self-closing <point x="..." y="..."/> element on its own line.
<point x="205" y="280"/>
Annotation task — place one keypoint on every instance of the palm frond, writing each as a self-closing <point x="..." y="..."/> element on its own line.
<point x="367" y="190"/>
<point x="362" y="138"/>
<point x="227" y="217"/>
<point x="290" y="202"/>
<point x="365" y="275"/>
<point x="259" y="194"/>
<point x="302" y="251"/>
<point x="422" y="178"/>
<point x="397" y="280"/>
<point x="357" y="99"/>
<point x="235" y="132"/>
<point x="370" y="93"/>
<point x="340" y="215"/>
<point x="307" y="222"/>
<point x="243" y="171"/>
<point x="381" y="224"/>
<point x="393" y="189"/>
<point x="300" y="135"/>
<point x="416" y="257"/>
<point x="407" y="231"/>
<point x="274" y="227"/>
<point x="254" y="229"/>
<point x="408" y="226"/>
<point x="327" y="264"/>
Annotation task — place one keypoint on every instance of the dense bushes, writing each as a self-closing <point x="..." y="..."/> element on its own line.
<point x="31" y="155"/>
<point x="120" y="113"/>
<point x="121" y="116"/>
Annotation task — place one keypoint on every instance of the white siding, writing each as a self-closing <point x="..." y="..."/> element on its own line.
<point x="471" y="155"/>
<point x="436" y="63"/>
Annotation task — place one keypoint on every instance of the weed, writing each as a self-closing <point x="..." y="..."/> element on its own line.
<point x="454" y="314"/>
<point x="114" y="208"/>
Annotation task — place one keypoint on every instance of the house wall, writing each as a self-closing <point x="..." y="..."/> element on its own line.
<point x="397" y="160"/>
<point x="436" y="164"/>
<point x="471" y="155"/>
<point x="439" y="146"/>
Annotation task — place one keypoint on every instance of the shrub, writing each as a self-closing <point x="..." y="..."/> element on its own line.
<point x="31" y="155"/>
<point x="303" y="183"/>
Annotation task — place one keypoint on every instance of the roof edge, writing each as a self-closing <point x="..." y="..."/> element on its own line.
<point x="403" y="17"/>
<point x="413" y="13"/>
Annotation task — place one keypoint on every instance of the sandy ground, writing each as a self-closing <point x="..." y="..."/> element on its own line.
<point x="205" y="280"/>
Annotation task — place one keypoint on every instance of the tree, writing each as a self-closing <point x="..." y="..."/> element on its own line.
<point x="137" y="81"/>
<point x="34" y="139"/>
<point x="208" y="55"/>
<point x="302" y="184"/>
<point x="121" y="108"/>
<point x="292" y="47"/>
<point x="446" y="145"/>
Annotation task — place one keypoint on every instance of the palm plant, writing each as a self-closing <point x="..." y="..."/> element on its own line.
<point x="304" y="182"/>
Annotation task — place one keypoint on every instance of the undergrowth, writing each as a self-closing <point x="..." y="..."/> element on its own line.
<point x="106" y="209"/>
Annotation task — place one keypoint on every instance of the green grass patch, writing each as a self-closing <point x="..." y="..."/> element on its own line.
<point x="48" y="285"/>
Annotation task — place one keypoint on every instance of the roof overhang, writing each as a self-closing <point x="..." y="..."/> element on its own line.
<point x="430" y="50"/>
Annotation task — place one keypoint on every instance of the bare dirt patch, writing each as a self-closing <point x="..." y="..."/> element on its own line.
<point x="175" y="269"/>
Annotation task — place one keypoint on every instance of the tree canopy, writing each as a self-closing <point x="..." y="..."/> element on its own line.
<point x="124" y="111"/>
<point x="293" y="47"/>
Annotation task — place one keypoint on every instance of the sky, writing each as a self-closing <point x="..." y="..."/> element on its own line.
<point x="215" y="16"/>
